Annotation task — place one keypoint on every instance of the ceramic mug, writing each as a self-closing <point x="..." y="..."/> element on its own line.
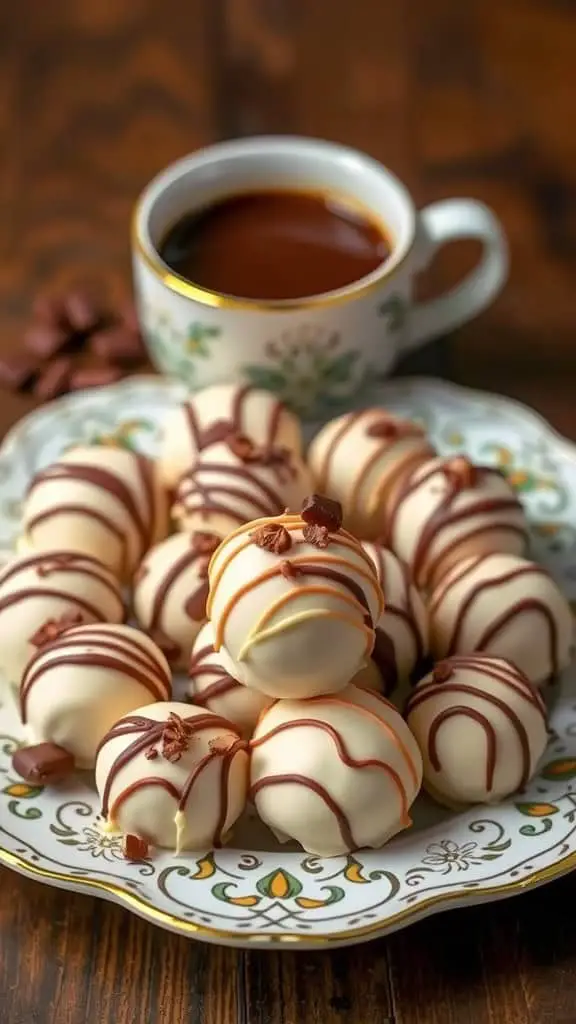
<point x="325" y="351"/>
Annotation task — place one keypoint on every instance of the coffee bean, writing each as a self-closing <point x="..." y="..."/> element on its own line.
<point x="53" y="381"/>
<point x="46" y="340"/>
<point x="82" y="313"/>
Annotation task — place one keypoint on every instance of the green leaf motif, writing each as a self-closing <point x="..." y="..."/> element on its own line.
<point x="564" y="768"/>
<point x="537" y="810"/>
<point x="30" y="814"/>
<point x="395" y="309"/>
<point x="338" y="371"/>
<point x="279" y="885"/>
<point x="266" y="378"/>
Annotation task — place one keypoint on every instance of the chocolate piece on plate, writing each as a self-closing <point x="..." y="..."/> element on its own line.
<point x="43" y="763"/>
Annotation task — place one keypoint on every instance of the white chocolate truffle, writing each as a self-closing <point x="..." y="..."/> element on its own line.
<point x="402" y="630"/>
<point x="173" y="774"/>
<point x="449" y="510"/>
<point x="213" y="687"/>
<point x="171" y="590"/>
<point x="505" y="606"/>
<point x="360" y="459"/>
<point x="335" y="773"/>
<point x="105" y="502"/>
<point x="79" y="684"/>
<point x="211" y="414"/>
<point x="297" y="619"/>
<point x="235" y="482"/>
<point x="39" y="591"/>
<point x="369" y="677"/>
<point x="481" y="728"/>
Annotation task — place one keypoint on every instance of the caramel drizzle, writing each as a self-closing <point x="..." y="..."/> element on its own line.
<point x="150" y="732"/>
<point x="499" y="623"/>
<point x="194" y="606"/>
<point x="262" y="499"/>
<point x="357" y="601"/>
<point x="292" y="524"/>
<point x="108" y="481"/>
<point x="442" y="518"/>
<point x="112" y="655"/>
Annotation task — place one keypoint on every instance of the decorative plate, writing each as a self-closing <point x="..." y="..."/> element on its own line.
<point x="257" y="892"/>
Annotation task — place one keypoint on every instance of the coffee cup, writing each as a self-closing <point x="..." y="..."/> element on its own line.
<point x="318" y="352"/>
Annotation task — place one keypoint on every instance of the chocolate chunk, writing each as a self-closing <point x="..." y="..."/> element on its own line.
<point x="53" y="381"/>
<point x="242" y="447"/>
<point x="94" y="378"/>
<point x="318" y="510"/>
<point x="81" y="311"/>
<point x="461" y="473"/>
<point x="53" y="628"/>
<point x="272" y="537"/>
<point x="46" y="340"/>
<point x="117" y="345"/>
<point x="289" y="570"/>
<point x="204" y="543"/>
<point x="316" y="535"/>
<point x="391" y="429"/>
<point x="17" y="372"/>
<point x="134" y="847"/>
<point x="442" y="672"/>
<point x="43" y="763"/>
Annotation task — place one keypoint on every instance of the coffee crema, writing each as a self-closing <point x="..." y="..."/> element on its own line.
<point x="275" y="245"/>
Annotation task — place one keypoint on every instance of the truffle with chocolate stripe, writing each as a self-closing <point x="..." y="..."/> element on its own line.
<point x="505" y="606"/>
<point x="212" y="414"/>
<point x="171" y="590"/>
<point x="213" y="686"/>
<point x="174" y="775"/>
<point x="336" y="773"/>
<point x="80" y="682"/>
<point x="39" y="591"/>
<point x="447" y="510"/>
<point x="105" y="502"/>
<point x="293" y="603"/>
<point x="480" y="725"/>
<point x="361" y="458"/>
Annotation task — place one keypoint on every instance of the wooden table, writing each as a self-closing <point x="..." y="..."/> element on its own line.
<point x="458" y="98"/>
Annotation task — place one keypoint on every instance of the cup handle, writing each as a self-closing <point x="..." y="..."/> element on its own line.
<point x="443" y="222"/>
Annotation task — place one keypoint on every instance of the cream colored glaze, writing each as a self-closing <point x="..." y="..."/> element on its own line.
<point x="405" y="619"/>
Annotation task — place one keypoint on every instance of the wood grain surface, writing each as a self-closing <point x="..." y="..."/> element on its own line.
<point x="458" y="98"/>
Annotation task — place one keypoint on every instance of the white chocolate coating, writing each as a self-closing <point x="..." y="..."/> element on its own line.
<point x="222" y="491"/>
<point x="184" y="799"/>
<point x="505" y="606"/>
<point x="449" y="510"/>
<point x="212" y="685"/>
<point x="293" y="636"/>
<point x="101" y="501"/>
<point x="402" y="630"/>
<point x="170" y="594"/>
<point x="360" y="459"/>
<point x="257" y="414"/>
<point x="335" y="773"/>
<point x="40" y="588"/>
<point x="76" y="687"/>
<point x="481" y="729"/>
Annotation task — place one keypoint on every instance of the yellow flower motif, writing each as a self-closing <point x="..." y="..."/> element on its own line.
<point x="353" y="872"/>
<point x="309" y="904"/>
<point x="279" y="886"/>
<point x="22" y="790"/>
<point x="244" y="901"/>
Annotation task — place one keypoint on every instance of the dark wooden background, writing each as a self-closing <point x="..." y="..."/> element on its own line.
<point x="459" y="98"/>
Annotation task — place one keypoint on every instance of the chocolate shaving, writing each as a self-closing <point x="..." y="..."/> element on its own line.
<point x="391" y="429"/>
<point x="289" y="570"/>
<point x="53" y="628"/>
<point x="222" y="744"/>
<point x="204" y="543"/>
<point x="318" y="510"/>
<point x="175" y="738"/>
<point x="442" y="672"/>
<point x="134" y="847"/>
<point x="316" y="535"/>
<point x="151" y="754"/>
<point x="461" y="473"/>
<point x="272" y="537"/>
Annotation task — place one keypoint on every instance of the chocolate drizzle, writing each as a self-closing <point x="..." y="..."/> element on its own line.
<point x="445" y="683"/>
<point x="232" y="485"/>
<point x="148" y="733"/>
<point x="445" y="516"/>
<point x="384" y="653"/>
<point x="223" y="682"/>
<point x="110" y="482"/>
<point x="102" y="649"/>
<point x="221" y="430"/>
<point x="499" y="622"/>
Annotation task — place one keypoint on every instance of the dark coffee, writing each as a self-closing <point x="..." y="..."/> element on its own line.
<point x="275" y="245"/>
